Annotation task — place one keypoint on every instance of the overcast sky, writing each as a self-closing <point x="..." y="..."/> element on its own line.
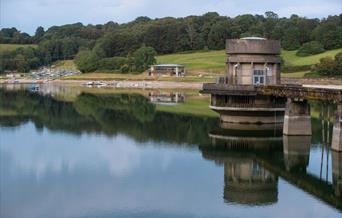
<point x="26" y="15"/>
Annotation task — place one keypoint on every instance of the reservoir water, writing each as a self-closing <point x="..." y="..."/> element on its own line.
<point x="74" y="152"/>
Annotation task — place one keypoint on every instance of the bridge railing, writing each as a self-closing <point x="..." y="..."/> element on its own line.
<point x="283" y="90"/>
<point x="248" y="105"/>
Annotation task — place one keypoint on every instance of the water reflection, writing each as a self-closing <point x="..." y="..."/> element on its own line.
<point x="254" y="161"/>
<point x="111" y="114"/>
<point x="296" y="152"/>
<point x="167" y="98"/>
<point x="116" y="155"/>
<point x="337" y="172"/>
<point x="245" y="180"/>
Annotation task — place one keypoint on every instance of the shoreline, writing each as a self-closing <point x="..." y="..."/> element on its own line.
<point x="154" y="84"/>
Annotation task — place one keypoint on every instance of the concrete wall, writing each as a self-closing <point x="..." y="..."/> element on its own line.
<point x="252" y="46"/>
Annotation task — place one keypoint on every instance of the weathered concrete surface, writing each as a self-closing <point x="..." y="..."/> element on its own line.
<point x="336" y="143"/>
<point x="337" y="136"/>
<point x="297" y="119"/>
<point x="252" y="118"/>
<point x="252" y="46"/>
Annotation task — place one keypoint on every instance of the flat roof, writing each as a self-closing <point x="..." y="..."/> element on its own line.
<point x="168" y="65"/>
<point x="254" y="37"/>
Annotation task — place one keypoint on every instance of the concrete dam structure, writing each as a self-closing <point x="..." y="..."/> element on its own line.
<point x="251" y="93"/>
<point x="251" y="61"/>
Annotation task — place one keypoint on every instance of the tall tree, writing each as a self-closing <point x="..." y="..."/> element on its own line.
<point x="144" y="57"/>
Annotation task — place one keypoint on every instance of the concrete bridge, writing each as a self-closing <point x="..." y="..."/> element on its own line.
<point x="296" y="119"/>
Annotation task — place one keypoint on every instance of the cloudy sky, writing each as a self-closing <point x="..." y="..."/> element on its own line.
<point x="26" y="15"/>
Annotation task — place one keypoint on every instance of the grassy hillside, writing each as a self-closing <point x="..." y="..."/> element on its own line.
<point x="214" y="61"/>
<point x="291" y="58"/>
<point x="209" y="61"/>
<point x="11" y="47"/>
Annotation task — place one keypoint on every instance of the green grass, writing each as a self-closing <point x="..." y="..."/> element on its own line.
<point x="299" y="74"/>
<point x="12" y="47"/>
<point x="291" y="58"/>
<point x="195" y="106"/>
<point x="207" y="61"/>
<point x="214" y="61"/>
<point x="65" y="65"/>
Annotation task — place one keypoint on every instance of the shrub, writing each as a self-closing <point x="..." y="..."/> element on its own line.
<point x="326" y="66"/>
<point x="87" y="61"/>
<point x="113" y="63"/>
<point x="338" y="63"/>
<point x="290" y="68"/>
<point x="310" y="48"/>
<point x="144" y="57"/>
<point x="124" y="69"/>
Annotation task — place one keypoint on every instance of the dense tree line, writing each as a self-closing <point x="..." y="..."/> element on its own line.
<point x="170" y="35"/>
<point x="138" y="61"/>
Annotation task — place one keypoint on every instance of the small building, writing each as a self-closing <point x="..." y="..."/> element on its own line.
<point x="167" y="69"/>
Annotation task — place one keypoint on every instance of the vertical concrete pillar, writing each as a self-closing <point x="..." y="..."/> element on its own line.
<point x="296" y="152"/>
<point x="337" y="131"/>
<point x="297" y="119"/>
<point x="252" y="73"/>
<point x="336" y="158"/>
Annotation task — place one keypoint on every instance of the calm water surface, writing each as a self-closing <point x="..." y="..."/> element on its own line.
<point x="119" y="155"/>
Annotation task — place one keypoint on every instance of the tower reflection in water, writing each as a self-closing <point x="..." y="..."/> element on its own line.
<point x="253" y="161"/>
<point x="246" y="181"/>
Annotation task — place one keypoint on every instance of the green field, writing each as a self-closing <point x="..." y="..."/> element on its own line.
<point x="193" y="105"/>
<point x="215" y="60"/>
<point x="299" y="74"/>
<point x="208" y="61"/>
<point x="12" y="47"/>
<point x="291" y="58"/>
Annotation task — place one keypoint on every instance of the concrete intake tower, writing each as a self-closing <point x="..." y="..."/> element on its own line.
<point x="252" y="61"/>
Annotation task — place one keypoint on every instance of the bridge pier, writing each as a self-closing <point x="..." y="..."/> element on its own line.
<point x="297" y="119"/>
<point x="337" y="131"/>
<point x="296" y="152"/>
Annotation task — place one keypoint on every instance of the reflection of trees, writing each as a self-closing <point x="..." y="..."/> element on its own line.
<point x="136" y="105"/>
<point x="110" y="114"/>
<point x="44" y="111"/>
<point x="11" y="121"/>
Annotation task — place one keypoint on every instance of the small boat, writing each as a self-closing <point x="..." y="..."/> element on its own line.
<point x="97" y="84"/>
<point x="34" y="89"/>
